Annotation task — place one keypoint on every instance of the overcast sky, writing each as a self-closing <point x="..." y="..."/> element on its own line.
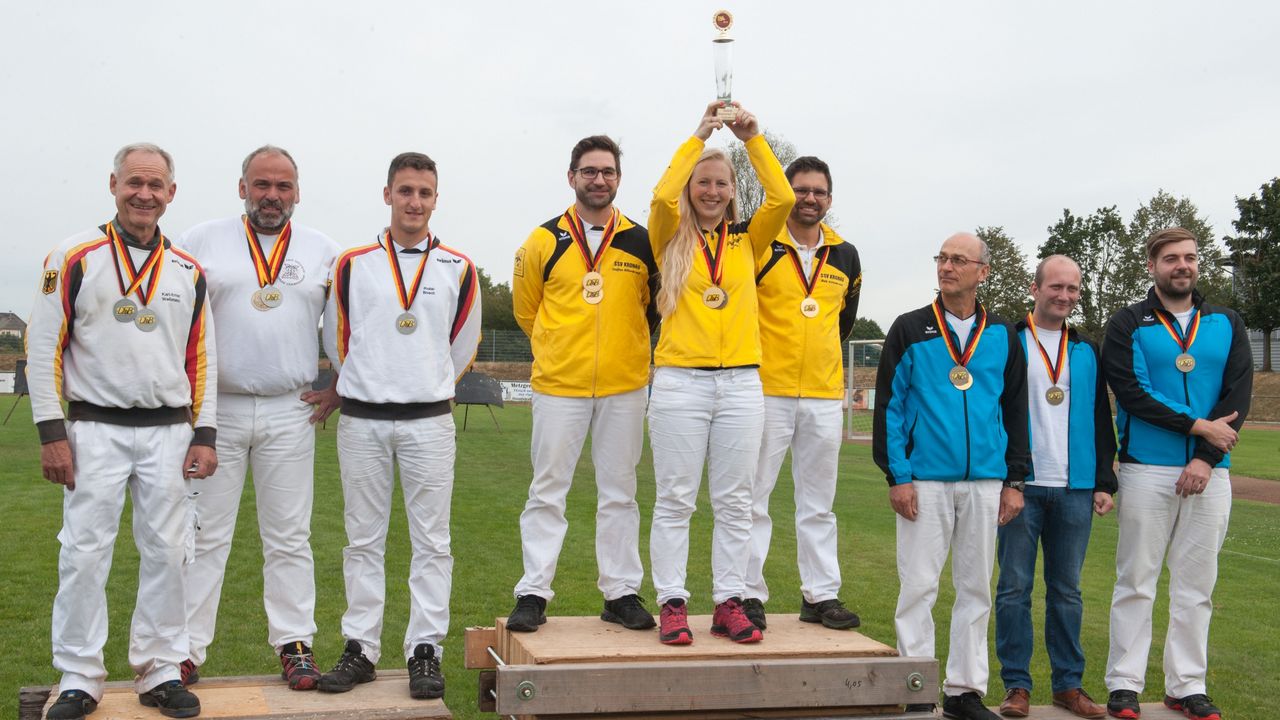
<point x="935" y="116"/>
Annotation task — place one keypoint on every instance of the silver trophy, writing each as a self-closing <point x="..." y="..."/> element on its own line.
<point x="722" y="47"/>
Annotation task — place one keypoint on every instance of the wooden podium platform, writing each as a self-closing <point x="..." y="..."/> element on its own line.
<point x="266" y="697"/>
<point x="574" y="667"/>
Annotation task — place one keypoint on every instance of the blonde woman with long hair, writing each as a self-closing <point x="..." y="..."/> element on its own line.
<point x="707" y="405"/>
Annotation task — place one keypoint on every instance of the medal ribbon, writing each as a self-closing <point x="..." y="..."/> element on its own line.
<point x="150" y="267"/>
<point x="819" y="260"/>
<point x="407" y="296"/>
<point x="960" y="358"/>
<point x="268" y="268"/>
<point x="579" y="233"/>
<point x="1170" y="323"/>
<point x="715" y="263"/>
<point x="1054" y="370"/>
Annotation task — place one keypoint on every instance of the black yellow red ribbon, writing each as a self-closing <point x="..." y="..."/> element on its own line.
<point x="268" y="268"/>
<point x="151" y="267"/>
<point x="960" y="358"/>
<point x="715" y="263"/>
<point x="1054" y="370"/>
<point x="406" y="296"/>
<point x="819" y="261"/>
<point x="1170" y="323"/>
<point x="579" y="233"/>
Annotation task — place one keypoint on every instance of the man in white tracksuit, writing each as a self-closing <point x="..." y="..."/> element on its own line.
<point x="268" y="282"/>
<point x="121" y="331"/>
<point x="402" y="325"/>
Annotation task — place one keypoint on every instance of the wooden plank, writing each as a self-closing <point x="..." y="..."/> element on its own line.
<point x="591" y="640"/>
<point x="888" y="712"/>
<point x="1150" y="711"/>
<point x="614" y="687"/>
<point x="477" y="641"/>
<point x="267" y="697"/>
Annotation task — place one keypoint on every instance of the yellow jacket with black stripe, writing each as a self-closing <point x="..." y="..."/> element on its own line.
<point x="802" y="355"/>
<point x="695" y="335"/>
<point x="583" y="350"/>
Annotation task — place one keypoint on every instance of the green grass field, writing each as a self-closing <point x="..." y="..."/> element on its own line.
<point x="1258" y="454"/>
<point x="492" y="477"/>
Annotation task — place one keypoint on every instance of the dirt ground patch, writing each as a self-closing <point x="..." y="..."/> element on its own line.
<point x="1247" y="488"/>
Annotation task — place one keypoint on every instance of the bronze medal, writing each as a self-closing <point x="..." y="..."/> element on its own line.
<point x="406" y="323"/>
<point x="146" y="320"/>
<point x="1055" y="395"/>
<point x="960" y="377"/>
<point x="124" y="310"/>
<point x="809" y="307"/>
<point x="715" y="297"/>
<point x="1185" y="362"/>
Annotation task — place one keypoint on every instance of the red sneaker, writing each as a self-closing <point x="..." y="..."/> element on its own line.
<point x="298" y="666"/>
<point x="674" y="628"/>
<point x="730" y="621"/>
<point x="190" y="673"/>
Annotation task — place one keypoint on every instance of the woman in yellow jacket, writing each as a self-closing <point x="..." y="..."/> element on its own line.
<point x="707" y="404"/>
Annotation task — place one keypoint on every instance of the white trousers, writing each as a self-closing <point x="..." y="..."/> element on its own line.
<point x="1157" y="526"/>
<point x="703" y="416"/>
<point x="952" y="515"/>
<point x="560" y="426"/>
<point x="811" y="428"/>
<point x="368" y="450"/>
<point x="147" y="462"/>
<point x="273" y="437"/>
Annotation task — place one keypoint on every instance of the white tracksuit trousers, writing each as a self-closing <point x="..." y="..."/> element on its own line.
<point x="560" y="426"/>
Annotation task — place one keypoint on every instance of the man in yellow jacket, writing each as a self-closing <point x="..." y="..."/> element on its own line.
<point x="808" y="289"/>
<point x="583" y="287"/>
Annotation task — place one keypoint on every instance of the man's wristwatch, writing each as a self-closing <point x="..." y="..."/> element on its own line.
<point x="1019" y="485"/>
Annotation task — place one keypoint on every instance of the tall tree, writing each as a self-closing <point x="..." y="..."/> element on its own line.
<point x="1255" y="251"/>
<point x="1005" y="291"/>
<point x="750" y="193"/>
<point x="866" y="329"/>
<point x="495" y="299"/>
<point x="1111" y="269"/>
<point x="1165" y="211"/>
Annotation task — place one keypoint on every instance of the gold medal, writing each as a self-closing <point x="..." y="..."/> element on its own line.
<point x="271" y="296"/>
<point x="1055" y="395"/>
<point x="124" y="310"/>
<point x="809" y="307"/>
<point x="592" y="281"/>
<point x="146" y="320"/>
<point x="406" y="323"/>
<point x="715" y="297"/>
<point x="960" y="377"/>
<point x="1185" y="362"/>
<point x="593" y="296"/>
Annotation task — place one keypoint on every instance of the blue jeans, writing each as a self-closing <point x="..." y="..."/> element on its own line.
<point x="1060" y="519"/>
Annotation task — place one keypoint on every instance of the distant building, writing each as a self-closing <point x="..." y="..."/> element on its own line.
<point x="12" y="325"/>
<point x="1255" y="343"/>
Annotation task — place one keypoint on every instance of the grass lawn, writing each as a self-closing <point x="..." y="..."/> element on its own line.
<point x="492" y="477"/>
<point x="1258" y="454"/>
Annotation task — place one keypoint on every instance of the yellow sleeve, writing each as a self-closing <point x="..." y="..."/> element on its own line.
<point x="664" y="211"/>
<point x="526" y="280"/>
<point x="771" y="218"/>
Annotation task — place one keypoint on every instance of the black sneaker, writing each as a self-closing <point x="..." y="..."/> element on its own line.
<point x="1196" y="707"/>
<point x="172" y="699"/>
<point x="628" y="611"/>
<point x="831" y="613"/>
<point x="530" y="612"/>
<point x="1123" y="704"/>
<point x="425" y="679"/>
<point x="754" y="609"/>
<point x="72" y="705"/>
<point x="966" y="706"/>
<point x="352" y="669"/>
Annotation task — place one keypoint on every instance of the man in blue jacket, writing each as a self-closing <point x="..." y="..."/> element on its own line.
<point x="1182" y="373"/>
<point x="950" y="434"/>
<point x="1073" y="447"/>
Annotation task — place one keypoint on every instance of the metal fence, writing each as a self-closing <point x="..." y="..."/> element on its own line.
<point x="504" y="346"/>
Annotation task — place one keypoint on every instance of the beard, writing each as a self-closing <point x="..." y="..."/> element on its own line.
<point x="1169" y="289"/>
<point x="269" y="225"/>
<point x="587" y="201"/>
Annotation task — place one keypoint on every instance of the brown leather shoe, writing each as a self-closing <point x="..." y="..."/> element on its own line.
<point x="1017" y="703"/>
<point x="1078" y="702"/>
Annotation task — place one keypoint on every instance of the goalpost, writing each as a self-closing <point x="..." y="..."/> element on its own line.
<point x="860" y="388"/>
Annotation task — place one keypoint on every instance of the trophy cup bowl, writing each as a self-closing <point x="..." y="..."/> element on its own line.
<point x="722" y="49"/>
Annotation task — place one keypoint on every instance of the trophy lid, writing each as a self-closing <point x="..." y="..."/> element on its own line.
<point x="723" y="20"/>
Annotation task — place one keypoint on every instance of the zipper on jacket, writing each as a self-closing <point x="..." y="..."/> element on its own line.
<point x="1188" y="444"/>
<point x="968" y="447"/>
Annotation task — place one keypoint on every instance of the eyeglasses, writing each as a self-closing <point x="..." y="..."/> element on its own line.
<point x="591" y="173"/>
<point x="958" y="262"/>
<point x="818" y="193"/>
